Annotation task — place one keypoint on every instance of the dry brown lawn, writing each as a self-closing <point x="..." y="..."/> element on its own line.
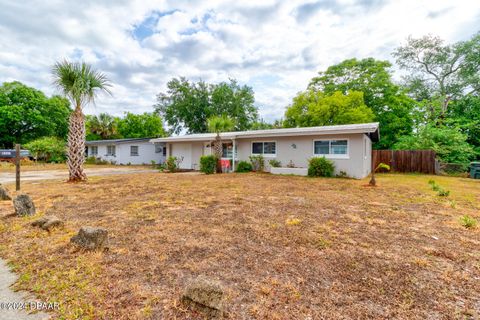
<point x="284" y="247"/>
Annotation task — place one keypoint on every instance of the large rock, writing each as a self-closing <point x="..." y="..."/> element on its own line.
<point x="23" y="205"/>
<point x="48" y="222"/>
<point x="91" y="238"/>
<point x="206" y="296"/>
<point x="4" y="193"/>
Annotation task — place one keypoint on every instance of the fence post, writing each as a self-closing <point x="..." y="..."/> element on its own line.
<point x="17" y="167"/>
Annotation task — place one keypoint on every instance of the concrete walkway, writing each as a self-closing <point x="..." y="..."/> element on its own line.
<point x="8" y="297"/>
<point x="9" y="177"/>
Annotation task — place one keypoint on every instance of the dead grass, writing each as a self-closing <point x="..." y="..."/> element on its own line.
<point x="285" y="247"/>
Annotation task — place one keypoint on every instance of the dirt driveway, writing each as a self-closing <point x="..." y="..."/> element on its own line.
<point x="9" y="177"/>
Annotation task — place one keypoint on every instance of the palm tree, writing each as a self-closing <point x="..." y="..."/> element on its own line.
<point x="218" y="124"/>
<point x="104" y="125"/>
<point x="80" y="84"/>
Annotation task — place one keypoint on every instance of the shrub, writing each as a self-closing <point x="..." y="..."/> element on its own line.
<point x="291" y="164"/>
<point x="50" y="149"/>
<point x="468" y="222"/>
<point x="244" y="166"/>
<point x="208" y="164"/>
<point x="258" y="162"/>
<point x="274" y="163"/>
<point x="172" y="164"/>
<point x="320" y="167"/>
<point x="93" y="160"/>
<point x="342" y="174"/>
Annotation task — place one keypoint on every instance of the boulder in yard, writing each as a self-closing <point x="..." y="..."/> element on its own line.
<point x="48" y="222"/>
<point x="206" y="296"/>
<point x="91" y="238"/>
<point x="4" y="193"/>
<point x="23" y="205"/>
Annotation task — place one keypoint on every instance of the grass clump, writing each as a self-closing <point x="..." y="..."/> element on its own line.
<point x="468" y="222"/>
<point x="293" y="222"/>
<point x="440" y="191"/>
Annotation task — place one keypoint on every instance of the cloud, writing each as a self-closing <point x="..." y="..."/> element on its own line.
<point x="274" y="46"/>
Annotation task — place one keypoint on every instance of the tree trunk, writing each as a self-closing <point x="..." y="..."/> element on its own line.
<point x="218" y="152"/>
<point x="76" y="146"/>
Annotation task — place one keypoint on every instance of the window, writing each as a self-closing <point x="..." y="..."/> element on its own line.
<point x="93" y="150"/>
<point x="266" y="148"/>
<point x="111" y="151"/>
<point x="331" y="148"/>
<point x="133" y="151"/>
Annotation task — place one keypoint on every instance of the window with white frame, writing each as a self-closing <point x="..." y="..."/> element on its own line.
<point x="133" y="151"/>
<point x="265" y="148"/>
<point x="331" y="148"/>
<point x="111" y="150"/>
<point x="93" y="150"/>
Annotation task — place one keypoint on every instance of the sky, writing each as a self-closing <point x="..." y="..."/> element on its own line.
<point x="275" y="47"/>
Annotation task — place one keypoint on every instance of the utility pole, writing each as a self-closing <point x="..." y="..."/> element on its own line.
<point x="17" y="167"/>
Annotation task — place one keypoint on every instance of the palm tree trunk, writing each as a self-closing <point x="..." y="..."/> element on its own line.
<point x="218" y="152"/>
<point x="76" y="146"/>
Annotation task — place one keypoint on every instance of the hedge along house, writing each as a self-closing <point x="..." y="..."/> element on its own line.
<point x="348" y="146"/>
<point x="127" y="151"/>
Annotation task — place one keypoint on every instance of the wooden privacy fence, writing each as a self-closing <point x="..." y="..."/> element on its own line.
<point x="406" y="160"/>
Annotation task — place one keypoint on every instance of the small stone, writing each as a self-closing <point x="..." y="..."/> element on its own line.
<point x="206" y="296"/>
<point x="4" y="193"/>
<point x="47" y="222"/>
<point x="23" y="205"/>
<point x="91" y="238"/>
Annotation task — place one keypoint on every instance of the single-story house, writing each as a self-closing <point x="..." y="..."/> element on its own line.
<point x="127" y="151"/>
<point x="348" y="146"/>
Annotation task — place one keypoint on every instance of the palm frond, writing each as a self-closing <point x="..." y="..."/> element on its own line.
<point x="79" y="82"/>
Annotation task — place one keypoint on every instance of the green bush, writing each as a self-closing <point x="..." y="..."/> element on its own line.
<point x="274" y="163"/>
<point x="244" y="166"/>
<point x="320" y="167"/>
<point x="49" y="149"/>
<point x="171" y="164"/>
<point x="208" y="164"/>
<point x="93" y="160"/>
<point x="258" y="163"/>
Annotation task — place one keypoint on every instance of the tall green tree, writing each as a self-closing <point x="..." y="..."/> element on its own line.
<point x="464" y="114"/>
<point x="188" y="105"/>
<point x="80" y="83"/>
<point x="141" y="125"/>
<point x="27" y="114"/>
<point x="440" y="73"/>
<point x="218" y="124"/>
<point x="450" y="144"/>
<point x="315" y="108"/>
<point x="389" y="103"/>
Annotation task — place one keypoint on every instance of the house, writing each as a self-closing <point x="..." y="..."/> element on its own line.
<point x="348" y="146"/>
<point x="127" y="151"/>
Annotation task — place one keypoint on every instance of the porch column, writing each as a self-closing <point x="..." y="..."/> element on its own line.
<point x="233" y="155"/>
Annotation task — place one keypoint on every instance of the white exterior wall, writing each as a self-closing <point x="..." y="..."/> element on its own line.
<point x="356" y="164"/>
<point x="146" y="153"/>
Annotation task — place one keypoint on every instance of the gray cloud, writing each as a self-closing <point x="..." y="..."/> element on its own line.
<point x="276" y="46"/>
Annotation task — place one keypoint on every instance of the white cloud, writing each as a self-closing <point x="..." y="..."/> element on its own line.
<point x="274" y="46"/>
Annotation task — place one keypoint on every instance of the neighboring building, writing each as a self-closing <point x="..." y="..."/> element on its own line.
<point x="348" y="146"/>
<point x="127" y="151"/>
